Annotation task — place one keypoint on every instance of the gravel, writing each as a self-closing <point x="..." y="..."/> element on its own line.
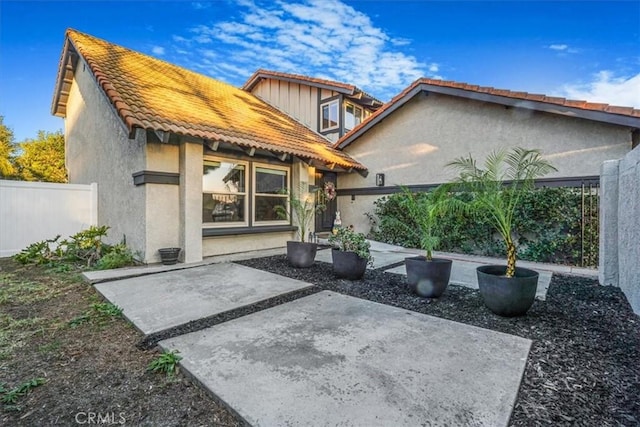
<point x="584" y="364"/>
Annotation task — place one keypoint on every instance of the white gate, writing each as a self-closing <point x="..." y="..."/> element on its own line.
<point x="34" y="211"/>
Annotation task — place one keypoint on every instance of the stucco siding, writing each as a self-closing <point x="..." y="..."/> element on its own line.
<point x="413" y="144"/>
<point x="99" y="150"/>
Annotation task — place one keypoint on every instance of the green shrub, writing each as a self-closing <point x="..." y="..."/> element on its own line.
<point x="348" y="240"/>
<point x="552" y="219"/>
<point x="116" y="256"/>
<point x="85" y="247"/>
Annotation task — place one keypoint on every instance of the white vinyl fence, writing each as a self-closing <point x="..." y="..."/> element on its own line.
<point x="35" y="211"/>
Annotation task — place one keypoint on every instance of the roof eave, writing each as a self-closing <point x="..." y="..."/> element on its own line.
<point x="56" y="103"/>
<point x="599" y="116"/>
<point x="259" y="75"/>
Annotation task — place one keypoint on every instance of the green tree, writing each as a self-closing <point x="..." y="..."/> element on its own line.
<point x="7" y="149"/>
<point x="42" y="159"/>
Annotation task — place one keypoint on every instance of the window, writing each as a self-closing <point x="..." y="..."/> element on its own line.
<point x="352" y="116"/>
<point x="329" y="115"/>
<point x="243" y="194"/>
<point x="224" y="191"/>
<point x="271" y="187"/>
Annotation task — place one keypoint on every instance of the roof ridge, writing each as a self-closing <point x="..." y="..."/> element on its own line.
<point x="350" y="86"/>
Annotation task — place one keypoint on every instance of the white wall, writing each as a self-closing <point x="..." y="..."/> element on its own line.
<point x="620" y="226"/>
<point x="35" y="211"/>
<point x="98" y="149"/>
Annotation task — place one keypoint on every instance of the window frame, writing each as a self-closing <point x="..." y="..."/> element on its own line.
<point x="254" y="193"/>
<point x="246" y="193"/>
<point x="328" y="104"/>
<point x="355" y="107"/>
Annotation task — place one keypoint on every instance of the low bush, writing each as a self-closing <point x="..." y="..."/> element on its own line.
<point x="552" y="217"/>
<point x="83" y="248"/>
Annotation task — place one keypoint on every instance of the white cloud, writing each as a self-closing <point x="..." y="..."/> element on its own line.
<point x="607" y="88"/>
<point x="321" y="38"/>
<point x="158" y="50"/>
<point x="560" y="47"/>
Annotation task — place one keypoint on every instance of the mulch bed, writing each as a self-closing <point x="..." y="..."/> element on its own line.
<point x="584" y="364"/>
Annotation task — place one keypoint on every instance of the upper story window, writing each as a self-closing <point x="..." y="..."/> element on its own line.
<point x="352" y="116"/>
<point x="329" y="115"/>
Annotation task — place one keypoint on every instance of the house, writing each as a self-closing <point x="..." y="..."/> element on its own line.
<point x="410" y="139"/>
<point x="185" y="160"/>
<point x="181" y="159"/>
<point x="327" y="107"/>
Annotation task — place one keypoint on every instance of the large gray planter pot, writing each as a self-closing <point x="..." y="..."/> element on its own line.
<point x="507" y="296"/>
<point x="301" y="254"/>
<point x="348" y="265"/>
<point x="428" y="279"/>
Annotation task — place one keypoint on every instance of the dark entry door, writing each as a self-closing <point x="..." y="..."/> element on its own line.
<point x="324" y="220"/>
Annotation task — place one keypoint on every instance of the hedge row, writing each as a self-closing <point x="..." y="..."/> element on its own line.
<point x="547" y="228"/>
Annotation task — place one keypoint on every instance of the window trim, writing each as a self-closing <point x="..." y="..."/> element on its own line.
<point x="246" y="193"/>
<point x="355" y="106"/>
<point x="328" y="103"/>
<point x="254" y="193"/>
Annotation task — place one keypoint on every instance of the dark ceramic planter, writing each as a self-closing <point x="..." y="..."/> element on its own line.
<point x="507" y="296"/>
<point x="301" y="254"/>
<point x="428" y="279"/>
<point x="348" y="265"/>
<point x="169" y="256"/>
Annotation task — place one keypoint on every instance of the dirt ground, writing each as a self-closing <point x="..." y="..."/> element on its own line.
<point x="90" y="364"/>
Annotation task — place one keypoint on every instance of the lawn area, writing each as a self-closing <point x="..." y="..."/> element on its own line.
<point x="66" y="356"/>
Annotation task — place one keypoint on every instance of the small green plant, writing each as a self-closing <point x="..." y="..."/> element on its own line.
<point x="166" y="362"/>
<point x="39" y="252"/>
<point x="499" y="187"/>
<point x="425" y="210"/>
<point x="85" y="247"/>
<point x="348" y="240"/>
<point x="106" y="309"/>
<point x="304" y="205"/>
<point x="79" y="320"/>
<point x="99" y="312"/>
<point x="10" y="397"/>
<point x="117" y="256"/>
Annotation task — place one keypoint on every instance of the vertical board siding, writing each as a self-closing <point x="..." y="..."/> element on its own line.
<point x="35" y="211"/>
<point x="296" y="100"/>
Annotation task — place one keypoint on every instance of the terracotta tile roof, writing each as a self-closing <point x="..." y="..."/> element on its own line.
<point x="467" y="90"/>
<point x="152" y="94"/>
<point x="345" y="88"/>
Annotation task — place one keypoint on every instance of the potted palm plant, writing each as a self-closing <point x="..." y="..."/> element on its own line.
<point x="350" y="254"/>
<point x="497" y="190"/>
<point x="428" y="276"/>
<point x="303" y="206"/>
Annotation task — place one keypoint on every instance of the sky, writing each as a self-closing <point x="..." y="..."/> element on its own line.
<point x="585" y="50"/>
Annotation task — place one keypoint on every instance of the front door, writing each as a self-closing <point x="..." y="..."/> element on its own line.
<point x="324" y="220"/>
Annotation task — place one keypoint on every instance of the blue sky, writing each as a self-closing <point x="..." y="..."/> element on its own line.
<point x="581" y="50"/>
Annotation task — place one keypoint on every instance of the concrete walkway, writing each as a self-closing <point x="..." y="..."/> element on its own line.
<point x="326" y="359"/>
<point x="157" y="302"/>
<point x="330" y="359"/>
